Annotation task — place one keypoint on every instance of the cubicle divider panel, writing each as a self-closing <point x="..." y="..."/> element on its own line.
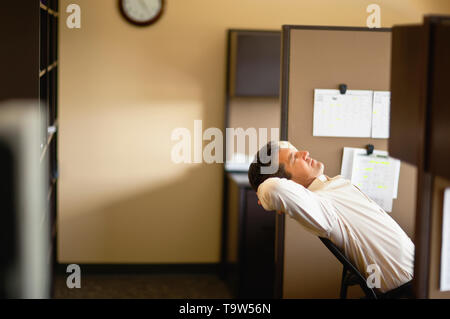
<point x="323" y="58"/>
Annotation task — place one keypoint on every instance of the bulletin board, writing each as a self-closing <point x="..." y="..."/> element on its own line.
<point x="323" y="57"/>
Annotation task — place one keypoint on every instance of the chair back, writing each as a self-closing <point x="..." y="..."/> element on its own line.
<point x="358" y="277"/>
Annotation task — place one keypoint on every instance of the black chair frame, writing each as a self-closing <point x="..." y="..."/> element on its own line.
<point x="351" y="276"/>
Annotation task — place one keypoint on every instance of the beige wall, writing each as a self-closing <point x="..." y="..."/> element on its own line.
<point x="124" y="89"/>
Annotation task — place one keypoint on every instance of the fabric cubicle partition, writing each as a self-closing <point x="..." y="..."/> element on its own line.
<point x="324" y="57"/>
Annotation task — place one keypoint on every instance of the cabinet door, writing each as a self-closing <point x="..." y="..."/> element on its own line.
<point x="408" y="74"/>
<point x="255" y="63"/>
<point x="259" y="246"/>
<point x="440" y="103"/>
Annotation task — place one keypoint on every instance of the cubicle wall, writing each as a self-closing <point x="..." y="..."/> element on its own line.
<point x="323" y="58"/>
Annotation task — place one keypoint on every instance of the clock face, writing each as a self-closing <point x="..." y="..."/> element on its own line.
<point x="142" y="12"/>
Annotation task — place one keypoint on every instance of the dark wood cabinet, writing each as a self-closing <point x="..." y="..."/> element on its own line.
<point x="420" y="111"/>
<point x="439" y="132"/>
<point x="250" y="248"/>
<point x="407" y="112"/>
<point x="255" y="63"/>
<point x="420" y="121"/>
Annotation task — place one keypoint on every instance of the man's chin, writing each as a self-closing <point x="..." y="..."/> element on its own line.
<point x="322" y="168"/>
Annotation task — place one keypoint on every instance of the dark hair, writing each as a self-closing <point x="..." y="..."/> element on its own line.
<point x="255" y="175"/>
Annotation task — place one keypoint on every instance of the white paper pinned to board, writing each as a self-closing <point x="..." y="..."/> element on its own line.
<point x="347" y="165"/>
<point x="445" y="247"/>
<point x="380" y="116"/>
<point x="342" y="115"/>
<point x="375" y="175"/>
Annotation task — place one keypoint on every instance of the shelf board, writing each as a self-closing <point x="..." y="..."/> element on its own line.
<point x="52" y="66"/>
<point x="50" y="11"/>
<point x="54" y="13"/>
<point x="48" y="69"/>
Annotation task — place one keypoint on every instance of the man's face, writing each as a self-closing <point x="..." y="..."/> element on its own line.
<point x="303" y="168"/>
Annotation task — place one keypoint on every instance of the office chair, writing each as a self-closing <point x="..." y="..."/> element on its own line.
<point x="351" y="276"/>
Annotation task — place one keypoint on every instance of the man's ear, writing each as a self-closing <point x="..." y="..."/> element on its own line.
<point x="259" y="203"/>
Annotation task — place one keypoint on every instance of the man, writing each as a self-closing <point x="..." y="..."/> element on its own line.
<point x="335" y="209"/>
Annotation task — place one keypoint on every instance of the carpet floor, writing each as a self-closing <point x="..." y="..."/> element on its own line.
<point x="143" y="286"/>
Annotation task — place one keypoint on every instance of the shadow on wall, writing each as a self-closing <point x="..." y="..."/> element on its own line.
<point x="161" y="225"/>
<point x="120" y="232"/>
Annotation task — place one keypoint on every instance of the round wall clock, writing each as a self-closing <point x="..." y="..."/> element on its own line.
<point x="142" y="12"/>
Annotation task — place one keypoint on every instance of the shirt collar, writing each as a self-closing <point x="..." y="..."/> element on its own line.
<point x="318" y="183"/>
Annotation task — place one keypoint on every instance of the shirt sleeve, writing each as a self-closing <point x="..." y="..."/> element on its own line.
<point x="314" y="213"/>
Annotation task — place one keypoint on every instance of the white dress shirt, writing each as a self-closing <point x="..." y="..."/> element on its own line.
<point x="336" y="209"/>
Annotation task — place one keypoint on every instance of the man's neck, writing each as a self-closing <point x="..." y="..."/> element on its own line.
<point x="317" y="182"/>
<point x="307" y="183"/>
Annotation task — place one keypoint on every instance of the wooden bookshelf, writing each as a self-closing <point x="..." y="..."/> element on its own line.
<point x="48" y="103"/>
<point x="30" y="53"/>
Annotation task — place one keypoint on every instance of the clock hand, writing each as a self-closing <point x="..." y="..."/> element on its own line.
<point x="144" y="5"/>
